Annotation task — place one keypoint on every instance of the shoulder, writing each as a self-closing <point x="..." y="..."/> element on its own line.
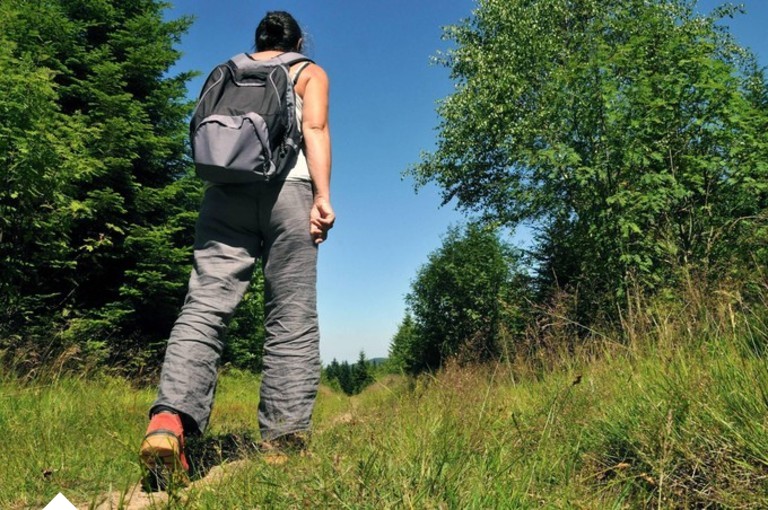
<point x="313" y="74"/>
<point x="311" y="71"/>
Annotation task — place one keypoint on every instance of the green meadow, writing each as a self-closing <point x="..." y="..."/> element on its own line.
<point x="673" y="416"/>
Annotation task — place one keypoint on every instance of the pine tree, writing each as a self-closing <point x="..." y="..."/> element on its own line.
<point x="361" y="375"/>
<point x="97" y="240"/>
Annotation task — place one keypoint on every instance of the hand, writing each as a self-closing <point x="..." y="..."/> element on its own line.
<point x="321" y="219"/>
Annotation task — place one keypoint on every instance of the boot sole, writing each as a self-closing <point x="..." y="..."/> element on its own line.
<point x="161" y="454"/>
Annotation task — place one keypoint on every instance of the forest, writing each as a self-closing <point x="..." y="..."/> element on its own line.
<point x="631" y="136"/>
<point x="99" y="199"/>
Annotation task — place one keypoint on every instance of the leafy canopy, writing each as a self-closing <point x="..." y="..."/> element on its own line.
<point x="631" y="132"/>
<point x="462" y="302"/>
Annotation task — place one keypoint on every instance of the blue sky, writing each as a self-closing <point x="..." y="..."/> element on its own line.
<point x="383" y="97"/>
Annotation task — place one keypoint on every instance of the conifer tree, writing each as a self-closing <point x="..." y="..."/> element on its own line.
<point x="97" y="225"/>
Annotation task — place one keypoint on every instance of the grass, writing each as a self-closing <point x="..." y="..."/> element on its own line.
<point x="674" y="419"/>
<point x="68" y="435"/>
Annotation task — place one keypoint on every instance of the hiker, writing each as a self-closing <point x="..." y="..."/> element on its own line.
<point x="280" y="221"/>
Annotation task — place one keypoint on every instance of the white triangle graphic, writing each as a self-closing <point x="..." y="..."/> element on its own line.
<point x="60" y="503"/>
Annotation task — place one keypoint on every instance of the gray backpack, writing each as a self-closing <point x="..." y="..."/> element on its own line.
<point x="244" y="126"/>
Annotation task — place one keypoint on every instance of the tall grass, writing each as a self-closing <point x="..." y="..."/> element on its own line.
<point x="667" y="411"/>
<point x="72" y="435"/>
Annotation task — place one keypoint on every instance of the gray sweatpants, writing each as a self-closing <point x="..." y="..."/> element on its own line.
<point x="237" y="225"/>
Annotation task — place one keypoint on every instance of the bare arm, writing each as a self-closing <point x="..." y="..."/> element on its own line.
<point x="317" y="147"/>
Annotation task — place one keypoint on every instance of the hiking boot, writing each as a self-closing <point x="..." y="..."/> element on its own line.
<point x="277" y="450"/>
<point x="162" y="450"/>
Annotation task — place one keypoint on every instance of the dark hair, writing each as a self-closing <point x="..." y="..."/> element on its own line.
<point x="278" y="31"/>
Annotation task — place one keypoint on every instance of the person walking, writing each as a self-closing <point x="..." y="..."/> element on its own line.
<point x="281" y="223"/>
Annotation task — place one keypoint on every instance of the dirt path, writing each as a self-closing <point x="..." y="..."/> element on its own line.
<point x="136" y="499"/>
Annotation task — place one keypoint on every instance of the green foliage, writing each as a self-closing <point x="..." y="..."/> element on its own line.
<point x="245" y="336"/>
<point x="467" y="297"/>
<point x="351" y="379"/>
<point x="405" y="347"/>
<point x="40" y="162"/>
<point x="631" y="132"/>
<point x="97" y="211"/>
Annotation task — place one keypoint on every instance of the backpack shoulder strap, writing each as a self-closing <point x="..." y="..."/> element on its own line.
<point x="243" y="60"/>
<point x="290" y="58"/>
<point x="295" y="77"/>
<point x="242" y="64"/>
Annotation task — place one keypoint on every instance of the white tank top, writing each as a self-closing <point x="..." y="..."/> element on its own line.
<point x="300" y="172"/>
